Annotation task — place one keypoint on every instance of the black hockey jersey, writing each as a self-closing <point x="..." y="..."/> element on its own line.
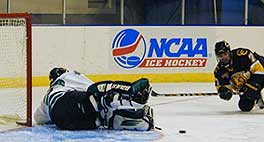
<point x="242" y="59"/>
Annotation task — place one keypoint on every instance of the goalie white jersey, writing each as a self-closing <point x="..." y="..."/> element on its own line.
<point x="68" y="81"/>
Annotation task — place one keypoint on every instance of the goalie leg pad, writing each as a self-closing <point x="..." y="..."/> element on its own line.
<point x="132" y="119"/>
<point x="100" y="87"/>
<point x="137" y="92"/>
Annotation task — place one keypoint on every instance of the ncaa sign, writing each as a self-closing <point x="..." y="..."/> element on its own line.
<point x="130" y="50"/>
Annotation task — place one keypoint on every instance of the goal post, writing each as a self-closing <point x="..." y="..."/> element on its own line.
<point x="16" y="68"/>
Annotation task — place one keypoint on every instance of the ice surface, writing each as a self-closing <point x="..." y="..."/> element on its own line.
<point x="50" y="133"/>
<point x="205" y="119"/>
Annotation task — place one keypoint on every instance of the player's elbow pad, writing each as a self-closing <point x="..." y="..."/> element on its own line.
<point x="225" y="93"/>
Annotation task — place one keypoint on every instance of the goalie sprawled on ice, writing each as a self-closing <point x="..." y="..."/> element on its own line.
<point x="239" y="71"/>
<point x="74" y="102"/>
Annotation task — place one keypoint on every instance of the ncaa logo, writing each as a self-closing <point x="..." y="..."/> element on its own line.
<point x="129" y="48"/>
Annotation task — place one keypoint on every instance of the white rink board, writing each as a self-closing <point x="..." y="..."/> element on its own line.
<point x="89" y="48"/>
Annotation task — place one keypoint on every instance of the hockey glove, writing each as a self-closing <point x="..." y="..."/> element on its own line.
<point x="239" y="79"/>
<point x="141" y="90"/>
<point x="225" y="93"/>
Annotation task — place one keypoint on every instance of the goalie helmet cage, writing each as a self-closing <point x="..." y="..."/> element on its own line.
<point x="15" y="34"/>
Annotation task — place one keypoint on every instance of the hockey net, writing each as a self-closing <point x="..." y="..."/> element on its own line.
<point x="15" y="69"/>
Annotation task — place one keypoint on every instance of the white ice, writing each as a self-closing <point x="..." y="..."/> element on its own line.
<point x="204" y="118"/>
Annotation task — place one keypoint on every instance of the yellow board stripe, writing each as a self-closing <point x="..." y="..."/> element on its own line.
<point x="39" y="81"/>
<point x="12" y="82"/>
<point x="154" y="78"/>
<point x="158" y="78"/>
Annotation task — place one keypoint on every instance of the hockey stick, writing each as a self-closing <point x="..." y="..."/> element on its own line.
<point x="155" y="94"/>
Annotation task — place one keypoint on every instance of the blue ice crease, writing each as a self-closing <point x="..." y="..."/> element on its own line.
<point x="49" y="133"/>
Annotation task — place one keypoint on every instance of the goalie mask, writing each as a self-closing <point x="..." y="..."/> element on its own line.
<point x="223" y="52"/>
<point x="55" y="73"/>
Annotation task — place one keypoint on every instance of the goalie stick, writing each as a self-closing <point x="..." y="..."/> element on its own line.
<point x="155" y="94"/>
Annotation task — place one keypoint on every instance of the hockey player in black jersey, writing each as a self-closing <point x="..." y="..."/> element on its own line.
<point x="239" y="71"/>
<point x="73" y="102"/>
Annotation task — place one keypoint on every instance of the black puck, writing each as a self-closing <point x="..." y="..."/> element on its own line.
<point x="182" y="131"/>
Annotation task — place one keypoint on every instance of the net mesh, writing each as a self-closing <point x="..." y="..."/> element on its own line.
<point x="13" y="69"/>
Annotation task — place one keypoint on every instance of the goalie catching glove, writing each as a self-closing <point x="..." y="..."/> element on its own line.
<point x="239" y="79"/>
